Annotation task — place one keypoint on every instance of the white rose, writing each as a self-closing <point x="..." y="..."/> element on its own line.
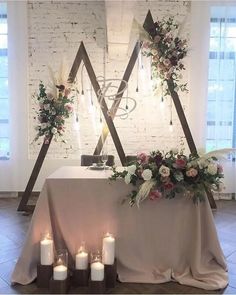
<point x="164" y="171"/>
<point x="54" y="130"/>
<point x="147" y="174"/>
<point x="153" y="51"/>
<point x="174" y="151"/>
<point x="202" y="163"/>
<point x="44" y="125"/>
<point x="176" y="89"/>
<point x="127" y="178"/>
<point x="212" y="169"/>
<point x="131" y="169"/>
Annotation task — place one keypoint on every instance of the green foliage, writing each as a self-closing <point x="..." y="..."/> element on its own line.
<point x="53" y="110"/>
<point x="172" y="173"/>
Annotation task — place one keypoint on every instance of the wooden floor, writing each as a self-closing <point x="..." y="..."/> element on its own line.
<point x="13" y="227"/>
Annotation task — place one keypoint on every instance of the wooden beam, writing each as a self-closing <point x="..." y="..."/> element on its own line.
<point x="33" y="177"/>
<point x="83" y="56"/>
<point x="150" y="28"/>
<point x="182" y="118"/>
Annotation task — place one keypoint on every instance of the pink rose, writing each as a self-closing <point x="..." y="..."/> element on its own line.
<point x="168" y="185"/>
<point x="167" y="62"/>
<point x="145" y="45"/>
<point x="154" y="195"/>
<point x="143" y="158"/>
<point x="192" y="172"/>
<point x="40" y="119"/>
<point x="50" y="96"/>
<point x="157" y="38"/>
<point x="68" y="107"/>
<point x="180" y="163"/>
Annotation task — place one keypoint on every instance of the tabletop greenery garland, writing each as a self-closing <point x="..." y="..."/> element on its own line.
<point x="167" y="50"/>
<point x="167" y="174"/>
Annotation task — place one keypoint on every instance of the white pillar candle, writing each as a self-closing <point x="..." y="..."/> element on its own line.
<point x="60" y="272"/>
<point x="46" y="252"/>
<point x="97" y="271"/>
<point x="81" y="260"/>
<point x="108" y="250"/>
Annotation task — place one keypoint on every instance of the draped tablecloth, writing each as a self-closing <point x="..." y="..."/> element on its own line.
<point x="163" y="240"/>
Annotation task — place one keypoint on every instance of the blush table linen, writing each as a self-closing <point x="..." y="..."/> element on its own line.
<point x="161" y="241"/>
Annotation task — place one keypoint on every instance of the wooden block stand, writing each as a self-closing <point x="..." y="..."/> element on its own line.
<point x="59" y="286"/>
<point x="80" y="277"/>
<point x="44" y="274"/>
<point x="97" y="287"/>
<point x="111" y="275"/>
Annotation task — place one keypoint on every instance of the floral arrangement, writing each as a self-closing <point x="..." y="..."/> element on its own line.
<point x="166" y="174"/>
<point x="54" y="108"/>
<point x="167" y="51"/>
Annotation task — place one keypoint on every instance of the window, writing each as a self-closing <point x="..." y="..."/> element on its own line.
<point x="221" y="109"/>
<point x="4" y="99"/>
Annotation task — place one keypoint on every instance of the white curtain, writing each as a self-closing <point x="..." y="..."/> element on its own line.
<point x="212" y="60"/>
<point x="221" y="111"/>
<point x="11" y="170"/>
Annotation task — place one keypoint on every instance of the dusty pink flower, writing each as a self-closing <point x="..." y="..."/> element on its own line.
<point x="180" y="163"/>
<point x="40" y="119"/>
<point x="167" y="62"/>
<point x="50" y="96"/>
<point x="154" y="195"/>
<point x="68" y="107"/>
<point x="168" y="185"/>
<point x="143" y="158"/>
<point x="157" y="38"/>
<point x="145" y="45"/>
<point x="192" y="172"/>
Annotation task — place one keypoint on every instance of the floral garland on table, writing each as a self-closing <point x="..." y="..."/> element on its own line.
<point x="167" y="174"/>
<point x="167" y="51"/>
<point x="54" y="108"/>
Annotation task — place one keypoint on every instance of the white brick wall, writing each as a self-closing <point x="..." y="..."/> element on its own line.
<point x="55" y="31"/>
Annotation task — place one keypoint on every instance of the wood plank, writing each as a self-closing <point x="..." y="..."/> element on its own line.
<point x="33" y="177"/>
<point x="82" y="55"/>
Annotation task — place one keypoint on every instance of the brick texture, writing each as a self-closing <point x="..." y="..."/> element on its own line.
<point x="55" y="31"/>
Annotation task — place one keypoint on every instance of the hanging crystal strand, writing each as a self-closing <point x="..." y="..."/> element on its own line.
<point x="105" y="57"/>
<point x="91" y="95"/>
<point x="127" y="99"/>
<point x="137" y="87"/>
<point x="151" y="67"/>
<point x="171" y="120"/>
<point x="162" y="97"/>
<point x="82" y="82"/>
<point x="76" y="100"/>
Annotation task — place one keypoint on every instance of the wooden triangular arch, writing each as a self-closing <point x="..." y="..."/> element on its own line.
<point x="83" y="56"/>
